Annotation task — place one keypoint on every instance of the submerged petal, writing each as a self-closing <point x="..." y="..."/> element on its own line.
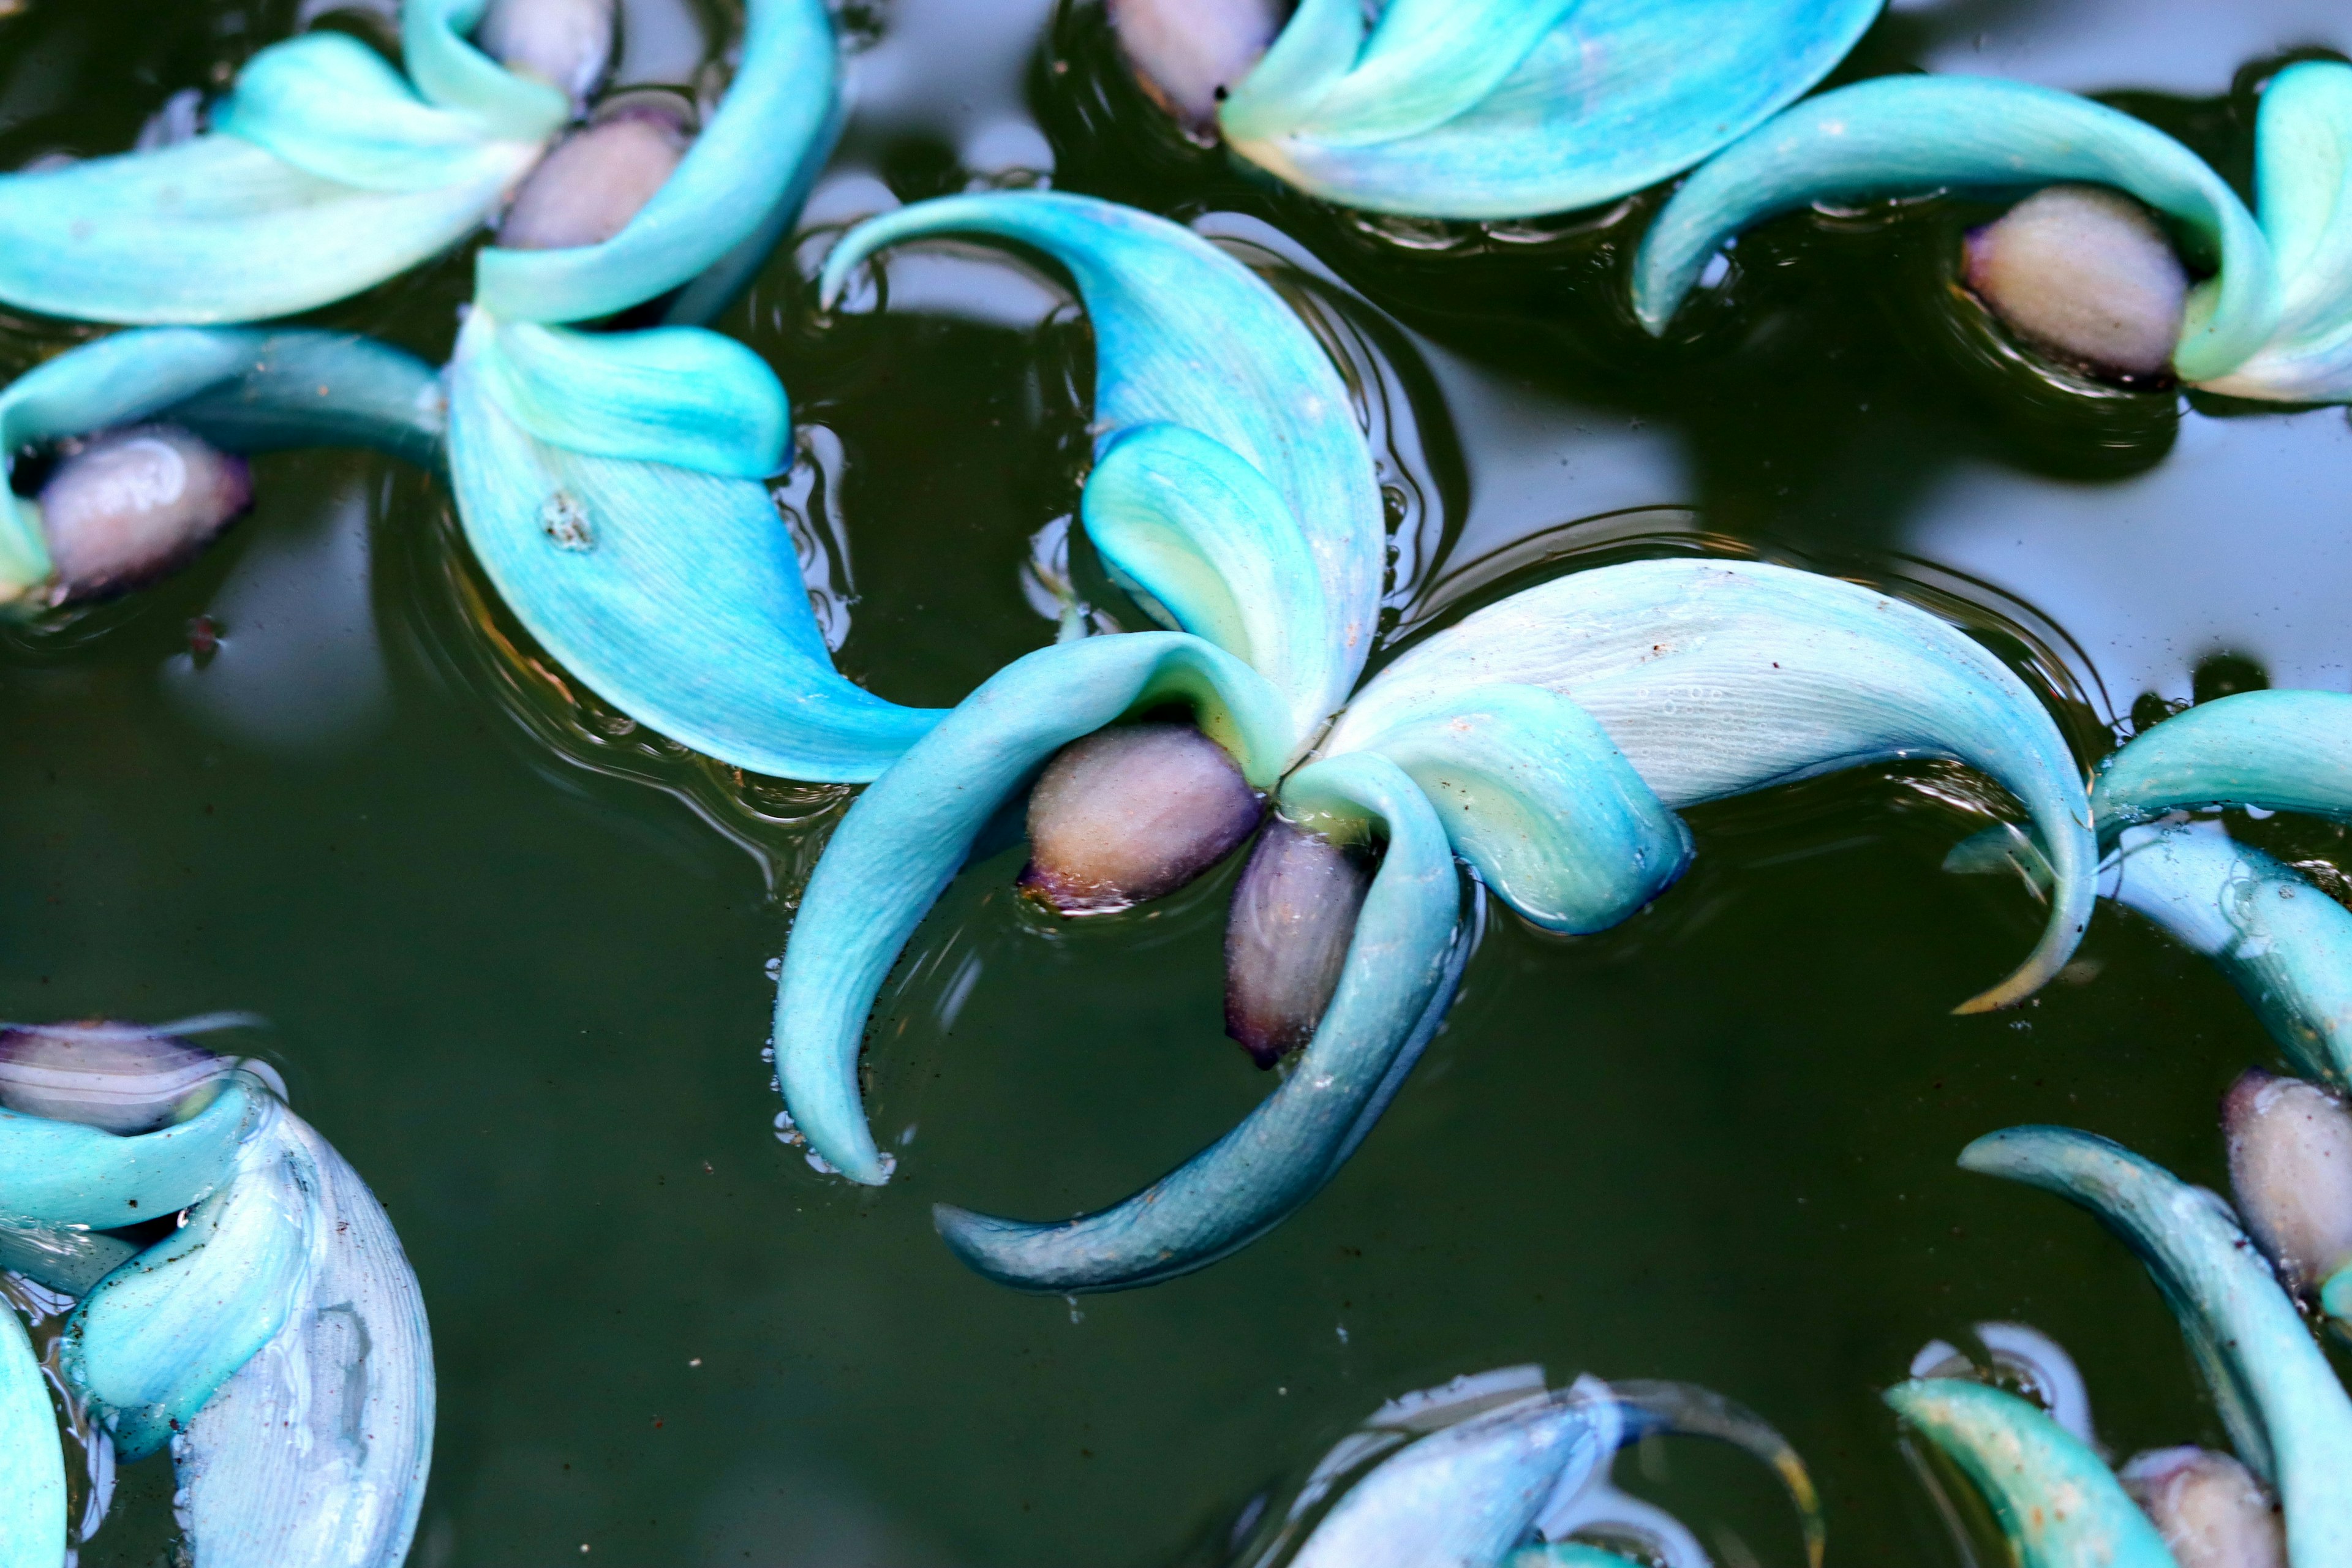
<point x="2280" y="750"/>
<point x="1898" y="135"/>
<point x="2058" y="1504"/>
<point x="1132" y="813"/>
<point x="33" y="1502"/>
<point x="2287" y="1415"/>
<point x="1403" y="961"/>
<point x="1188" y="337"/>
<point x="1715" y="678"/>
<point x="904" y="839"/>
<point x="1503" y="108"/>
<point x="62" y="1257"/>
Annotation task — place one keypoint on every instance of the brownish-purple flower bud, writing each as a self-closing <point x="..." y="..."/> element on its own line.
<point x="1286" y="940"/>
<point x="119" y="1077"/>
<point x="2085" y="273"/>
<point x="1188" y="52"/>
<point x="126" y="505"/>
<point x="2290" y="1170"/>
<point x="593" y="183"/>
<point x="1133" y="812"/>
<point x="2209" y="1508"/>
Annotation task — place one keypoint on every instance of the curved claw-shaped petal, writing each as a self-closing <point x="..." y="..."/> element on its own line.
<point x="33" y="1503"/>
<point x="326" y="175"/>
<point x="904" y="839"/>
<point x="1716" y="678"/>
<point x="722" y="207"/>
<point x="62" y="1174"/>
<point x="2058" y="1503"/>
<point x="1535" y="794"/>
<point x="1403" y="961"/>
<point x="608" y="484"/>
<point x="159" y="1337"/>
<point x="1896" y="135"/>
<point x="2283" y="943"/>
<point x="1514" y="108"/>
<point x="2280" y="750"/>
<point x="1185" y="335"/>
<point x="2286" y="1413"/>
<point x="437" y="45"/>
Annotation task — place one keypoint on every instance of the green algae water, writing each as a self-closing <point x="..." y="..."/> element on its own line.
<point x="514" y="952"/>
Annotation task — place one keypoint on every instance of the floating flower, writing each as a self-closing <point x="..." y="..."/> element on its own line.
<point x="1545" y="740"/>
<point x="1496" y="109"/>
<point x="274" y="1340"/>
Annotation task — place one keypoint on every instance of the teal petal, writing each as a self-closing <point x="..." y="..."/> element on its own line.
<point x="33" y="1502"/>
<point x="603" y="482"/>
<point x="226" y="229"/>
<point x="1567" y="1555"/>
<point x="1402" y="965"/>
<point x="2287" y="1415"/>
<point x="436" y="46"/>
<point x="1716" y="678"/>
<point x="1535" y="797"/>
<point x="737" y="187"/>
<point x="67" y="1261"/>
<point x="905" y="838"/>
<point x="2058" y="1503"/>
<point x="1469" y="1493"/>
<point x="2280" y="750"/>
<point x="316" y="1452"/>
<point x="1900" y="135"/>
<point x="1504" y="108"/>
<point x="63" y="1173"/>
<point x="161" y="1335"/>
<point x="1185" y="335"/>
<point x="2283" y="943"/>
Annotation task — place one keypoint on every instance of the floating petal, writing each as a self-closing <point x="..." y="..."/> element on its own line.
<point x="609" y="485"/>
<point x="1501" y="109"/>
<point x="904" y="839"/>
<point x="2280" y="750"/>
<point x="33" y="1502"/>
<point x="1899" y="135"/>
<point x="2287" y="1415"/>
<point x="1187" y="336"/>
<point x="60" y="1174"/>
<point x="2058" y="1504"/>
<point x="1715" y="678"/>
<point x="1534" y="794"/>
<point x="1403" y="962"/>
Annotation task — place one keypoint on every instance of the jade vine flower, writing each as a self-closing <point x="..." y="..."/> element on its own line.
<point x="1545" y="739"/>
<point x="2273" y="321"/>
<point x="275" y="1341"/>
<point x="326" y="171"/>
<point x="1495" y="108"/>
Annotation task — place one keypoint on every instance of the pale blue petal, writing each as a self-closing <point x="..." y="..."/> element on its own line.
<point x="1514" y="108"/>
<point x="904" y="839"/>
<point x="672" y="592"/>
<point x="451" y="72"/>
<point x="1537" y="797"/>
<point x="2303" y="183"/>
<point x="1901" y="135"/>
<point x="316" y="1452"/>
<point x="161" y="1335"/>
<point x="1212" y="544"/>
<point x="1716" y="678"/>
<point x="2058" y="1503"/>
<point x="2280" y="750"/>
<point x="1186" y="335"/>
<point x="2283" y="943"/>
<point x="2288" y="1416"/>
<point x="1403" y="962"/>
<point x="61" y="1258"/>
<point x="33" y="1499"/>
<point x="1313" y="53"/>
<point x="61" y="1173"/>
<point x="742" y="178"/>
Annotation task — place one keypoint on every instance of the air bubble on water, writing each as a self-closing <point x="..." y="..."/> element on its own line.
<point x="776" y="968"/>
<point x="1075" y="1316"/>
<point x="889" y="1164"/>
<point x="1343" y="1333"/>
<point x="907" y="1136"/>
<point x="767" y="1053"/>
<point x="786" y="1131"/>
<point x="776" y="1084"/>
<point x="816" y="1161"/>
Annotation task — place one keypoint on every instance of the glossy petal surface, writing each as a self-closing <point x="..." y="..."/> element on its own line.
<point x="1716" y="678"/>
<point x="1403" y="962"/>
<point x="2281" y="751"/>
<point x="1187" y="336"/>
<point x="1900" y="135"/>
<point x="2058" y="1504"/>
<point x="61" y="1173"/>
<point x="608" y="484"/>
<point x="61" y="1258"/>
<point x="904" y="839"/>
<point x="2303" y="187"/>
<point x="2287" y="1415"/>
<point x="33" y="1500"/>
<point x="1513" y="108"/>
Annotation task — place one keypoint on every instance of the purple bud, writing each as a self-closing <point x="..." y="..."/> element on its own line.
<point x="1188" y="52"/>
<point x="2208" y="1507"/>
<point x="564" y="43"/>
<point x="1133" y="812"/>
<point x="1286" y="940"/>
<point x="2084" y="272"/>
<point x="127" y="506"/>
<point x="2291" y="1169"/>
<point x="120" y="1077"/>
<point x="593" y="183"/>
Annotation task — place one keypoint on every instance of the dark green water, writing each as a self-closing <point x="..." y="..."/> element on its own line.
<point x="515" y="958"/>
